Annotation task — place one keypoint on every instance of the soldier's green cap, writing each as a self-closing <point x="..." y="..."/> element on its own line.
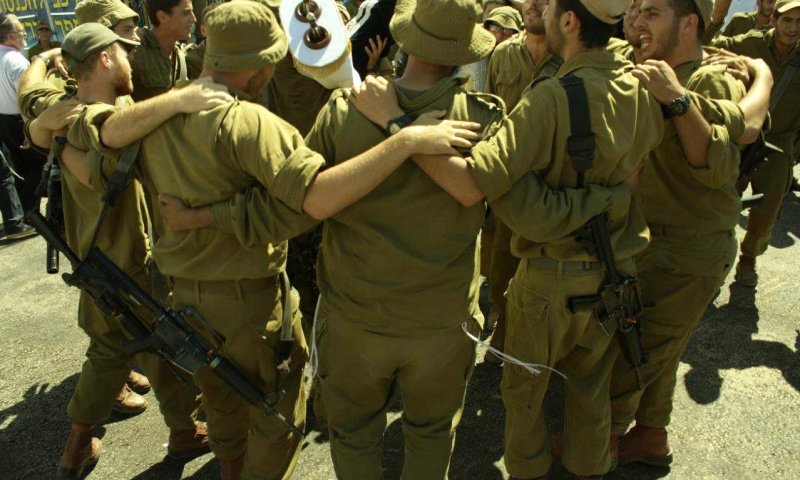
<point x="442" y="32"/>
<point x="607" y="11"/>
<point x="506" y="17"/>
<point x="783" y="6"/>
<point x="43" y="25"/>
<point x="243" y="35"/>
<point x="705" y="7"/>
<point x="84" y="40"/>
<point x="106" y="12"/>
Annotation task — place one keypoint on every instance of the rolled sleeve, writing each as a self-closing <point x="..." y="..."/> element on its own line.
<point x="297" y="172"/>
<point x="723" y="161"/>
<point x="489" y="171"/>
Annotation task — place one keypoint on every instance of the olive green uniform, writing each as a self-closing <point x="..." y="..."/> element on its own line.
<point x="691" y="213"/>
<point x="124" y="241"/>
<point x="152" y="70"/>
<point x="741" y="23"/>
<point x="511" y="72"/>
<point x="774" y="178"/>
<point x="540" y="328"/>
<point x="234" y="288"/>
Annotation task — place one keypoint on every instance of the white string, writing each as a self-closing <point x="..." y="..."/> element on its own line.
<point x="534" y="368"/>
<point x="313" y="358"/>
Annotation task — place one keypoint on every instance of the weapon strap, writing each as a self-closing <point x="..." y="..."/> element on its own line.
<point x="581" y="142"/>
<point x="286" y="321"/>
<point x="183" y="72"/>
<point x="786" y="79"/>
<point x="116" y="183"/>
<point x="551" y="66"/>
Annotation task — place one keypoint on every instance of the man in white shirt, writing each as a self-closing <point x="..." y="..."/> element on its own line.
<point x="27" y="163"/>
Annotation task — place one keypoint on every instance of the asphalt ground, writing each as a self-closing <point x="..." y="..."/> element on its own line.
<point x="737" y="405"/>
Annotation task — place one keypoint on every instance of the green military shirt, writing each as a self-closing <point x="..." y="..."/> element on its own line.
<point x="785" y="117"/>
<point x="621" y="48"/>
<point x="741" y="23"/>
<point x="672" y="193"/>
<point x="206" y="157"/>
<point x="511" y="70"/>
<point x="295" y="97"/>
<point x="627" y="123"/>
<point x="194" y="58"/>
<point x="153" y="72"/>
<point x="37" y="48"/>
<point x="403" y="259"/>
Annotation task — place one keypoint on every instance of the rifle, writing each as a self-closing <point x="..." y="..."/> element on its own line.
<point x="755" y="155"/>
<point x="618" y="305"/>
<point x="173" y="338"/>
<point x="50" y="187"/>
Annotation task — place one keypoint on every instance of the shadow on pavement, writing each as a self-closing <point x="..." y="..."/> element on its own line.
<point x="171" y="470"/>
<point x="733" y="326"/>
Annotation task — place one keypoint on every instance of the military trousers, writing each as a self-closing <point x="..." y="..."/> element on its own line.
<point x="503" y="266"/>
<point x="773" y="179"/>
<point x="359" y="370"/>
<point x="247" y="314"/>
<point x="679" y="276"/>
<point x="542" y="330"/>
<point x="107" y="367"/>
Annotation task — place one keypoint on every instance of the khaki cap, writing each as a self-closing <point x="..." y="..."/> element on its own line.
<point x="243" y="35"/>
<point x="607" y="11"/>
<point x="43" y="25"/>
<point x="84" y="40"/>
<point x="783" y="6"/>
<point x="506" y="17"/>
<point x="705" y="7"/>
<point x="106" y="12"/>
<point x="442" y="32"/>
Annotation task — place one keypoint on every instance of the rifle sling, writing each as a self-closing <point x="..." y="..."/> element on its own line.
<point x="117" y="182"/>
<point x="786" y="79"/>
<point x="581" y="142"/>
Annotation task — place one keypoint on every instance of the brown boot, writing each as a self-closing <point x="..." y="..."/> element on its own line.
<point x="746" y="274"/>
<point x="498" y="341"/>
<point x="81" y="452"/>
<point x="138" y="383"/>
<point x="186" y="445"/>
<point x="645" y="445"/>
<point x="129" y="402"/>
<point x="231" y="469"/>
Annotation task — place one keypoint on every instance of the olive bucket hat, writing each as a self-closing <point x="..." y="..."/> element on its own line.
<point x="243" y="35"/>
<point x="442" y="32"/>
<point x="107" y="12"/>
<point x="607" y="11"/>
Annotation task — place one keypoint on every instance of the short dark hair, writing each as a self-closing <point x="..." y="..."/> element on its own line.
<point x="594" y="33"/>
<point x="683" y="8"/>
<point x="154" y="6"/>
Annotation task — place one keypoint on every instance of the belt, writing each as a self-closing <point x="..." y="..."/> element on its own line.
<point x="225" y="287"/>
<point x="668" y="230"/>
<point x="546" y="263"/>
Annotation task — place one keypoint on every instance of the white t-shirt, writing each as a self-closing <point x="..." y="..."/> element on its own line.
<point x="12" y="65"/>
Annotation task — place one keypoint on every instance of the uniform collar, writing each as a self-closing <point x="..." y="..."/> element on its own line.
<point x="418" y="102"/>
<point x="599" y="60"/>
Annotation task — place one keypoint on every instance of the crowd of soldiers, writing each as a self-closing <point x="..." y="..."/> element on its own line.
<point x="404" y="190"/>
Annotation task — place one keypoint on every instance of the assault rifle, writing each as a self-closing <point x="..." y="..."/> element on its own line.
<point x="755" y="155"/>
<point x="173" y="337"/>
<point x="50" y="187"/>
<point x="618" y="305"/>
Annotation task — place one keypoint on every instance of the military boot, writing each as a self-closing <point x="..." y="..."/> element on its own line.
<point x="138" y="383"/>
<point x="498" y="341"/>
<point x="231" y="469"/>
<point x="746" y="274"/>
<point x="129" y="402"/>
<point x="645" y="445"/>
<point x="80" y="453"/>
<point x="185" y="445"/>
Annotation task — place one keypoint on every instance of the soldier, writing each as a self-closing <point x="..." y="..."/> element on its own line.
<point x="233" y="286"/>
<point x="742" y="23"/>
<point x="96" y="58"/>
<point x="514" y="66"/>
<point x="160" y="61"/>
<point x="689" y="199"/>
<point x="778" y="48"/>
<point x="44" y="33"/>
<point x="41" y="89"/>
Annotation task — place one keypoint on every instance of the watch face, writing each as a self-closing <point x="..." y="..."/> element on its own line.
<point x="679" y="106"/>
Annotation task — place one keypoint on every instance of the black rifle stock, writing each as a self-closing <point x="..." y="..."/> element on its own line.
<point x="755" y="155"/>
<point x="173" y="338"/>
<point x="618" y="305"/>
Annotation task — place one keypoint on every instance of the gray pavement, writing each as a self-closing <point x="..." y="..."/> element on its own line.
<point x="737" y="406"/>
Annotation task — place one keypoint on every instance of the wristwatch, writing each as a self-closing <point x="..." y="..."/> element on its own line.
<point x="399" y="123"/>
<point x="43" y="58"/>
<point x="678" y="107"/>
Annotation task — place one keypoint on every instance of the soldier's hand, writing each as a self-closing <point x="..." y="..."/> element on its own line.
<point x="374" y="50"/>
<point x="434" y="136"/>
<point x="61" y="115"/>
<point x="174" y="213"/>
<point x="734" y="64"/>
<point x="376" y="100"/>
<point x="202" y="94"/>
<point x="660" y="80"/>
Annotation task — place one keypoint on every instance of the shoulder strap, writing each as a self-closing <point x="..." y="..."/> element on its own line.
<point x="551" y="67"/>
<point x="786" y="79"/>
<point x="183" y="71"/>
<point x="116" y="183"/>
<point x="581" y="143"/>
